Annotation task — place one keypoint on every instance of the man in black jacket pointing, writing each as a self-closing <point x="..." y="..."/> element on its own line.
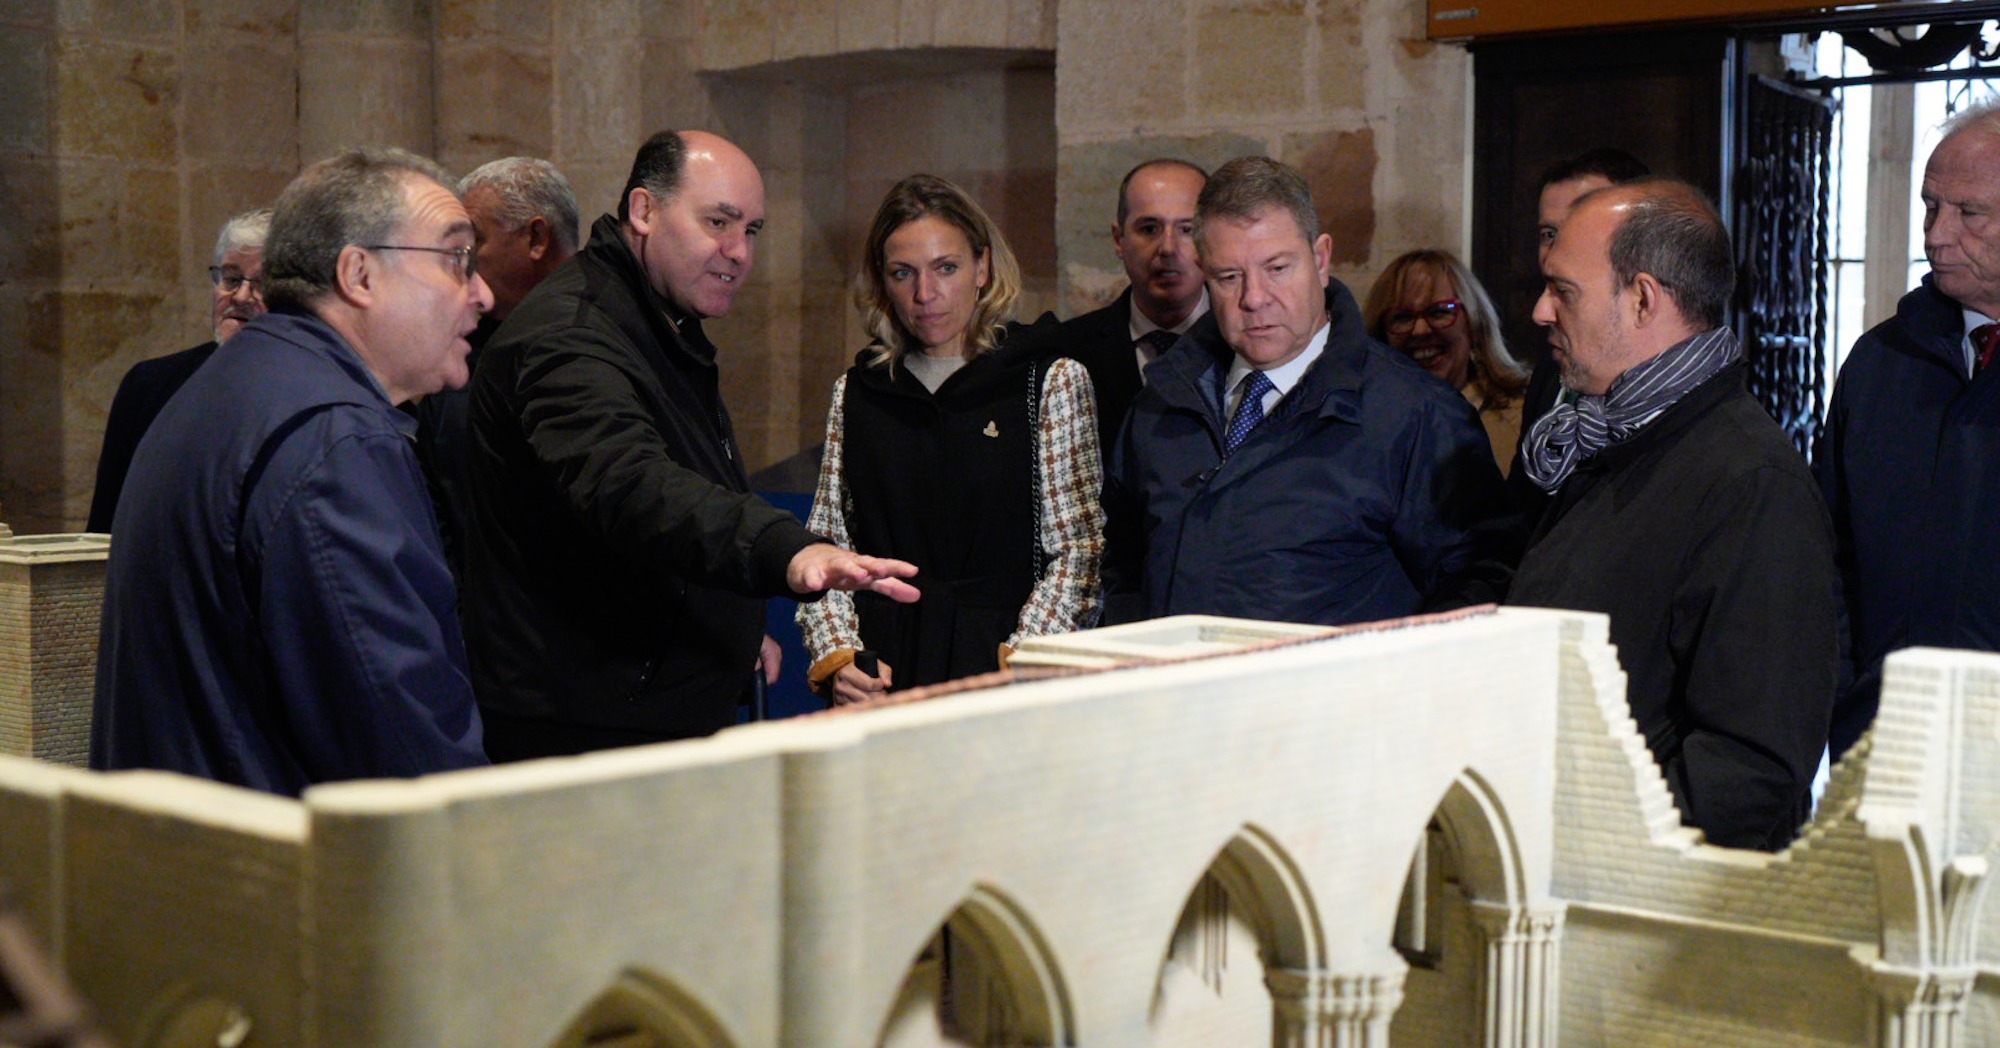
<point x="618" y="562"/>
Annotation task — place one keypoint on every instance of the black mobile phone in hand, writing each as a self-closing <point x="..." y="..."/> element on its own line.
<point x="868" y="662"/>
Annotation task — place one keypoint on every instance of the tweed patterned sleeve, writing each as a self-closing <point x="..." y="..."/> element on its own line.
<point x="829" y="623"/>
<point x="1067" y="595"/>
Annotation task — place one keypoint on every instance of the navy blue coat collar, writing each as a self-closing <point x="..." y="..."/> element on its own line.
<point x="1936" y="324"/>
<point x="1190" y="375"/>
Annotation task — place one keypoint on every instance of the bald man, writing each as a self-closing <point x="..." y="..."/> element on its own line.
<point x="619" y="563"/>
<point x="1681" y="511"/>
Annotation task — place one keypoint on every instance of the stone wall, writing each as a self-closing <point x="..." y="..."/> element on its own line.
<point x="1349" y="91"/>
<point x="132" y="129"/>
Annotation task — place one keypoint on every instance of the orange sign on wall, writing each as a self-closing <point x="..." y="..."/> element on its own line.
<point x="1460" y="19"/>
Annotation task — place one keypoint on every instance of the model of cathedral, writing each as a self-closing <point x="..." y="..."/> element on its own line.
<point x="1440" y="832"/>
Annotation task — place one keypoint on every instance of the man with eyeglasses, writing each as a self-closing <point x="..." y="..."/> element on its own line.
<point x="277" y="610"/>
<point x="1281" y="464"/>
<point x="238" y="280"/>
<point x="619" y="563"/>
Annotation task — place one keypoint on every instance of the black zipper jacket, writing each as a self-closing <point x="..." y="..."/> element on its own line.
<point x="617" y="563"/>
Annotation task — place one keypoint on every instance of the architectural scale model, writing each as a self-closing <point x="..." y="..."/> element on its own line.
<point x="1439" y="832"/>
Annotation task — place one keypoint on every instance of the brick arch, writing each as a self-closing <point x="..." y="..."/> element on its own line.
<point x="1003" y="977"/>
<point x="640" y="1004"/>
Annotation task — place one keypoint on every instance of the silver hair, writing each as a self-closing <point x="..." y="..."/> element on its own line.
<point x="1982" y="116"/>
<point x="529" y="188"/>
<point x="244" y="232"/>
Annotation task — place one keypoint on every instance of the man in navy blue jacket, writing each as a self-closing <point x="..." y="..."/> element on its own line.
<point x="1910" y="459"/>
<point x="1280" y="464"/>
<point x="277" y="610"/>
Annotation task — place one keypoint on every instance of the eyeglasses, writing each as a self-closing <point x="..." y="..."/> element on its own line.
<point x="1439" y="315"/>
<point x="463" y="262"/>
<point x="230" y="281"/>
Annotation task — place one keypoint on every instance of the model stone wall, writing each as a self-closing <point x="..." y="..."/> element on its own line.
<point x="775" y="885"/>
<point x="1123" y="858"/>
<point x="51" y="594"/>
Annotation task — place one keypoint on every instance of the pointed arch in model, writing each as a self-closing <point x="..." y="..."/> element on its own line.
<point x="1250" y="913"/>
<point x="643" y="1010"/>
<point x="986" y="977"/>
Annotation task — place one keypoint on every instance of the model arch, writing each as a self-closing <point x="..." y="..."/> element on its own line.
<point x="643" y="1010"/>
<point x="986" y="977"/>
<point x="1480" y="951"/>
<point x="1250" y="913"/>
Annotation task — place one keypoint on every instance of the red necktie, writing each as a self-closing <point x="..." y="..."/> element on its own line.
<point x="1985" y="339"/>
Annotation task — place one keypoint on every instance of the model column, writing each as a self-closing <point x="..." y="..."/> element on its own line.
<point x="1329" y="1010"/>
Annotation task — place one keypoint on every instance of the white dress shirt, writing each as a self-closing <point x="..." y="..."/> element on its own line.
<point x="1283" y="377"/>
<point x="1142" y="325"/>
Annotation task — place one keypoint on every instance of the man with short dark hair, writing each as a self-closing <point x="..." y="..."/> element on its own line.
<point x="1910" y="459"/>
<point x="1682" y="512"/>
<point x="277" y="611"/>
<point x="1154" y="240"/>
<point x="238" y="279"/>
<point x="618" y="560"/>
<point x="524" y="213"/>
<point x="1280" y="464"/>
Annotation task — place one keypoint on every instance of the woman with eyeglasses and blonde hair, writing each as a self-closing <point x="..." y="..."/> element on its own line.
<point x="1430" y="307"/>
<point x="959" y="442"/>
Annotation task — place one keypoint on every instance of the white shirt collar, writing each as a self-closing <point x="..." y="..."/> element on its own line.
<point x="1283" y="377"/>
<point x="1973" y="319"/>
<point x="1142" y="325"/>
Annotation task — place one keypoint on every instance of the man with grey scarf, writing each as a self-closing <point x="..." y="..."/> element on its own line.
<point x="1682" y="512"/>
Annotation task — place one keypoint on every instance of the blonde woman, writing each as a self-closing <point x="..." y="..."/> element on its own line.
<point x="959" y="442"/>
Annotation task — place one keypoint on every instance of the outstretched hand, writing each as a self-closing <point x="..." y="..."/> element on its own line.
<point x="824" y="566"/>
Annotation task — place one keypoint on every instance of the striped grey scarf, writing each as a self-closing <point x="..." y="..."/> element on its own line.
<point x="1571" y="433"/>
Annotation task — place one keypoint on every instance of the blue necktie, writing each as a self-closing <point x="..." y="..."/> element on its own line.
<point x="1249" y="411"/>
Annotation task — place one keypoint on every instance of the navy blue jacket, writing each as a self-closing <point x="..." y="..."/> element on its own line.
<point x="1369" y="492"/>
<point x="1910" y="467"/>
<point x="277" y="610"/>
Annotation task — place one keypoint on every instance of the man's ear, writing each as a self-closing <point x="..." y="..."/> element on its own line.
<point x="1323" y="257"/>
<point x="354" y="274"/>
<point x="639" y="210"/>
<point x="541" y="239"/>
<point x="1118" y="241"/>
<point x="1648" y="298"/>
